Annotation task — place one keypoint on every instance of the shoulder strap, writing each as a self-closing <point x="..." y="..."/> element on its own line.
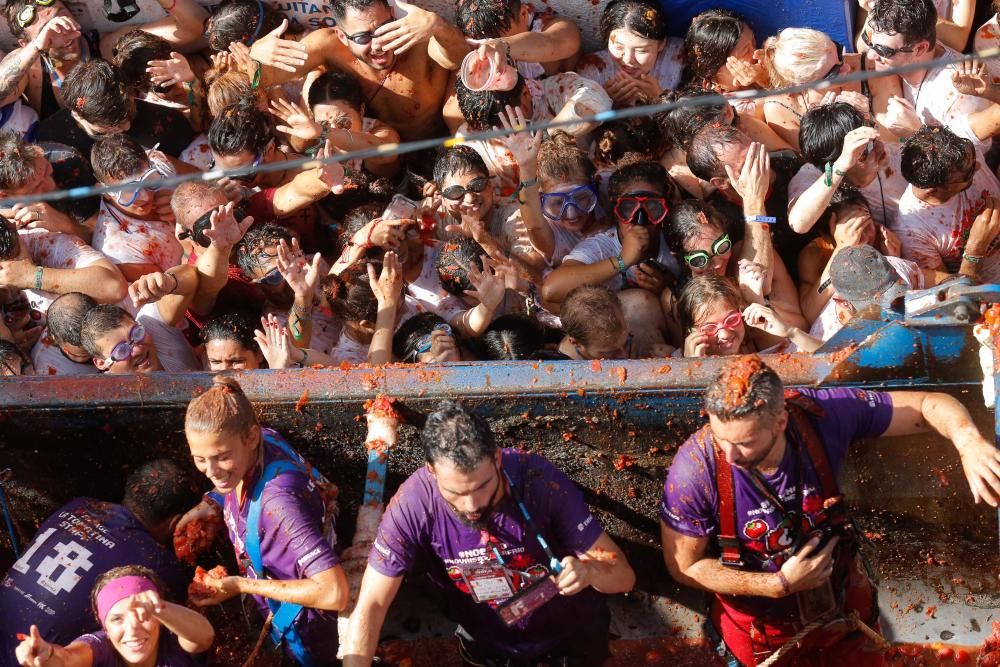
<point x="728" y="541"/>
<point x="806" y="433"/>
<point x="252" y="539"/>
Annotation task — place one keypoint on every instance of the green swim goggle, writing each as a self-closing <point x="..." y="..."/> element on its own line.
<point x="700" y="259"/>
<point x="26" y="16"/>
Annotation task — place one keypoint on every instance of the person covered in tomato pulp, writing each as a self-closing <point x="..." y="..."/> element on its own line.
<point x="509" y="540"/>
<point x="757" y="485"/>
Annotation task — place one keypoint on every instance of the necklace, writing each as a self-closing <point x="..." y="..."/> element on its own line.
<point x="380" y="85"/>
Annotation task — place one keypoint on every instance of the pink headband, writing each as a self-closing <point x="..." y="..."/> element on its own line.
<point x="117" y="590"/>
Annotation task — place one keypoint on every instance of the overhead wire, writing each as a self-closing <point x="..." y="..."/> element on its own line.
<point x="401" y="148"/>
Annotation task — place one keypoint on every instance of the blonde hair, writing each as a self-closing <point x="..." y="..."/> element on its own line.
<point x="228" y="88"/>
<point x="223" y="408"/>
<point x="794" y="56"/>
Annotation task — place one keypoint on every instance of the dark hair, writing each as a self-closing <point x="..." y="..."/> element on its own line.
<point x="649" y="172"/>
<point x="704" y="290"/>
<point x="486" y="20"/>
<point x="339" y="7"/>
<point x="915" y="20"/>
<point x="238" y="21"/>
<point x="17" y="159"/>
<point x="355" y="219"/>
<point x="687" y="218"/>
<point x="627" y="140"/>
<point x="235" y="326"/>
<point x="336" y="85"/>
<point x="240" y="127"/>
<point x="158" y="491"/>
<point x="822" y="131"/>
<point x="512" y="337"/>
<point x="679" y="125"/>
<point x="457" y="256"/>
<point x="11" y="9"/>
<point x="843" y="198"/>
<point x="931" y="155"/>
<point x="561" y="159"/>
<point x="66" y="314"/>
<point x="710" y="40"/>
<point x="10" y="240"/>
<point x="117" y="157"/>
<point x="351" y="297"/>
<point x="223" y="408"/>
<point x="591" y="313"/>
<point x="132" y="53"/>
<point x="454" y="434"/>
<point x="745" y="387"/>
<point x="482" y="109"/>
<point x="703" y="150"/>
<point x="12" y="358"/>
<point x="457" y="160"/>
<point x="126" y="571"/>
<point x="99" y="320"/>
<point x="410" y="333"/>
<point x="95" y="91"/>
<point x="642" y="18"/>
<point x="250" y="249"/>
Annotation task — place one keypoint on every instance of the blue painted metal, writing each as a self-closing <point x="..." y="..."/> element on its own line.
<point x="378" y="463"/>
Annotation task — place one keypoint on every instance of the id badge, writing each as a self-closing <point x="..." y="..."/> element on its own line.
<point x="488" y="582"/>
<point x="528" y="600"/>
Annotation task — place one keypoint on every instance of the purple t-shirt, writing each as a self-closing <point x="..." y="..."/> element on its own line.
<point x="49" y="586"/>
<point x="296" y="540"/>
<point x="690" y="503"/>
<point x="169" y="653"/>
<point x="419" y="529"/>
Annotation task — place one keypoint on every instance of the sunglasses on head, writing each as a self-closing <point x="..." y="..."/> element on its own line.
<point x="27" y="16"/>
<point x="883" y="51"/>
<point x="835" y="70"/>
<point x="641" y="208"/>
<point x="730" y="322"/>
<point x="123" y="350"/>
<point x="365" y="38"/>
<point x="150" y="180"/>
<point x="475" y="186"/>
<point x="555" y="204"/>
<point x="257" y="160"/>
<point x="700" y="259"/>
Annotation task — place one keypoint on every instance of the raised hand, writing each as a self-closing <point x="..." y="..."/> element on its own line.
<point x="522" y="145"/>
<point x="276" y="344"/>
<point x="752" y="276"/>
<point x="40" y="215"/>
<point x="495" y="51"/>
<point x="298" y="121"/>
<point x="152" y="287"/>
<point x="889" y="243"/>
<point x="146" y="605"/>
<point x="301" y="276"/>
<point x="984" y="229"/>
<point x="635" y="244"/>
<point x="971" y="78"/>
<point x="622" y="89"/>
<point x="489" y="287"/>
<point x="761" y="317"/>
<point x="33" y="651"/>
<point x="283" y="54"/>
<point x="224" y="231"/>
<point x="901" y="117"/>
<point x="388" y="285"/>
<point x="754" y="179"/>
<point x="745" y="74"/>
<point x="697" y="344"/>
<point x="241" y="60"/>
<point x="403" y="34"/>
<point x="170" y="72"/>
<point x="331" y="173"/>
<point x="850" y="232"/>
<point x="855" y="143"/>
<point x="61" y="29"/>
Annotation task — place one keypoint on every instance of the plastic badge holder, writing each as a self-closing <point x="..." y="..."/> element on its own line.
<point x="400" y="208"/>
<point x="528" y="600"/>
<point x="481" y="74"/>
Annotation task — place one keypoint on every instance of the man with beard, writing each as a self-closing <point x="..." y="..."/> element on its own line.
<point x="486" y="524"/>
<point x="758" y="484"/>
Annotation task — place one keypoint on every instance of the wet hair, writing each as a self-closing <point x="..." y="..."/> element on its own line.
<point x="822" y="131"/>
<point x="237" y="21"/>
<point x="702" y="291"/>
<point x="687" y="219"/>
<point x="458" y="160"/>
<point x="409" y="334"/>
<point x="11" y="358"/>
<point x="17" y="160"/>
<point x="709" y="42"/>
<point x="235" y="326"/>
<point x="703" y="151"/>
<point x="486" y="19"/>
<point x="648" y="171"/>
<point x="158" y="491"/>
<point x="643" y="18"/>
<point x="931" y="155"/>
<point x="745" y="387"/>
<point x="592" y="314"/>
<point x="454" y="434"/>
<point x="512" y="338"/>
<point x="482" y="109"/>
<point x="339" y="7"/>
<point x="117" y="157"/>
<point x="457" y="256"/>
<point x="232" y="87"/>
<point x="794" y="56"/>
<point x="679" y="125"/>
<point x="190" y="194"/>
<point x="250" y="249"/>
<point x="66" y="314"/>
<point x="98" y="321"/>
<point x="240" y="127"/>
<point x="627" y="140"/>
<point x="336" y="86"/>
<point x="94" y="89"/>
<point x="356" y="218"/>
<point x="10" y="240"/>
<point x="223" y="408"/>
<point x="561" y="159"/>
<point x="915" y="20"/>
<point x="351" y="297"/>
<point x="132" y="53"/>
<point x="126" y="571"/>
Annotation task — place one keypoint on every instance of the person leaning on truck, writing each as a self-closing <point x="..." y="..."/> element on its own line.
<point x="752" y="511"/>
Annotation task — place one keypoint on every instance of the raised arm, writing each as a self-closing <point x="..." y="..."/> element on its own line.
<point x="33" y="651"/>
<point x="183" y="25"/>
<point x="971" y="78"/>
<point x="171" y="291"/>
<point x="194" y="633"/>
<point x="101" y="280"/>
<point x="14" y="67"/>
<point x="446" y="45"/>
<point x="524" y="147"/>
<point x="377" y="593"/>
<point x="213" y="264"/>
<point x="388" y="289"/>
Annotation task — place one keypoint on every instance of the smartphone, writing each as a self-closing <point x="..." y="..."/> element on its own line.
<point x="528" y="600"/>
<point x="400" y="208"/>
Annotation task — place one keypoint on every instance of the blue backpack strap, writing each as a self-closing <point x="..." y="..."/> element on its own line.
<point x="284" y="613"/>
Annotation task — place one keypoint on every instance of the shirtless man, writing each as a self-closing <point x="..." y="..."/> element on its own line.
<point x="403" y="63"/>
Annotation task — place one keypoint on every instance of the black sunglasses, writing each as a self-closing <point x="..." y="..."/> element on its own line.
<point x="366" y="37"/>
<point x="475" y="186"/>
<point x="835" y="70"/>
<point x="884" y="51"/>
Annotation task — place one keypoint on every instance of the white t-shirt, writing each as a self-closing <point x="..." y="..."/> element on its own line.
<point x="349" y="350"/>
<point x="887" y="188"/>
<point x="937" y="101"/>
<point x="605" y="244"/>
<point x="427" y="292"/>
<point x="172" y="348"/>
<point x="198" y="153"/>
<point x="667" y="69"/>
<point x="48" y="359"/>
<point x="128" y="240"/>
<point x="935" y="236"/>
<point x="18" y="117"/>
<point x="988" y="37"/>
<point x="54" y="250"/>
<point x="827" y="324"/>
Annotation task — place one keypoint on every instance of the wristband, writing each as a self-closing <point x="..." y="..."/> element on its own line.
<point x="823" y="285"/>
<point x="176" y="283"/>
<point x="830" y="170"/>
<point x="38" y="277"/>
<point x="189" y="85"/>
<point x="304" y="360"/>
<point x="521" y="186"/>
<point x="170" y="8"/>
<point x="785" y="587"/>
<point x="763" y="219"/>
<point x="255" y="83"/>
<point x="215" y="497"/>
<point x="621" y="264"/>
<point x="974" y="259"/>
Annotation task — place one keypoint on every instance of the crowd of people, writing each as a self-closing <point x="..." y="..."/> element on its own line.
<point x="717" y="227"/>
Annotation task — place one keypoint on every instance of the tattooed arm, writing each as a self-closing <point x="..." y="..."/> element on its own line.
<point x="14" y="72"/>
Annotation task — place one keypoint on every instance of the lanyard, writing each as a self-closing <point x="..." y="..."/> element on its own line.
<point x="554" y="563"/>
<point x="771" y="495"/>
